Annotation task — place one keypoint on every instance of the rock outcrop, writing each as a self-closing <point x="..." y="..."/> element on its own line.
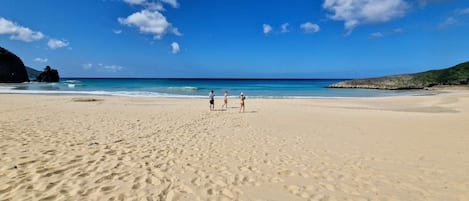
<point x="12" y="69"/>
<point x="456" y="75"/>
<point x="48" y="75"/>
<point x="388" y="82"/>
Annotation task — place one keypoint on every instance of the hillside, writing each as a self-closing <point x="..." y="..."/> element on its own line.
<point x="32" y="73"/>
<point x="456" y="75"/>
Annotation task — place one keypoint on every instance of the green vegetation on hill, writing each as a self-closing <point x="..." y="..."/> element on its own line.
<point x="456" y="75"/>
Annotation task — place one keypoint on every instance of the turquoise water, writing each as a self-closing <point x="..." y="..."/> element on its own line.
<point x="195" y="88"/>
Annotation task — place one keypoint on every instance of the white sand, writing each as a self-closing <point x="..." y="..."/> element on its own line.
<point x="119" y="148"/>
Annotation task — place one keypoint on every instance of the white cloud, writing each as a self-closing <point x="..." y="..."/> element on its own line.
<point x="381" y="34"/>
<point x="55" y="43"/>
<point x="175" y="48"/>
<point x="148" y="5"/>
<point x="135" y="2"/>
<point x="463" y="11"/>
<point x="100" y="67"/>
<point x="154" y="6"/>
<point x="111" y="68"/>
<point x="309" y="27"/>
<point x="118" y="31"/>
<point x="454" y="19"/>
<point x="284" y="28"/>
<point x="87" y="66"/>
<point x="18" y="32"/>
<point x="41" y="60"/>
<point x="150" y="22"/>
<point x="357" y="12"/>
<point x="448" y="22"/>
<point x="173" y="3"/>
<point x="377" y="35"/>
<point x="266" y="28"/>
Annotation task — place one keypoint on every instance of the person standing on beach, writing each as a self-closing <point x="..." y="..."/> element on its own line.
<point x="242" y="97"/>
<point x="211" y="96"/>
<point x="225" y="100"/>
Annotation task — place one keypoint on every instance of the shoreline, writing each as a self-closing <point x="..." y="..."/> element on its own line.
<point x="309" y="89"/>
<point x="79" y="147"/>
<point x="139" y="94"/>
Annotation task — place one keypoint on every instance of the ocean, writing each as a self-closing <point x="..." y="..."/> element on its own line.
<point x="199" y="88"/>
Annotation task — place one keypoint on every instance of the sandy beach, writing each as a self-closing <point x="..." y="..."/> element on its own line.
<point x="57" y="147"/>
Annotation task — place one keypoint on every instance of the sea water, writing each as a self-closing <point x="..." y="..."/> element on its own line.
<point x="199" y="88"/>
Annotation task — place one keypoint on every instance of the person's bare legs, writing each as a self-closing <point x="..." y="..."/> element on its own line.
<point x="226" y="104"/>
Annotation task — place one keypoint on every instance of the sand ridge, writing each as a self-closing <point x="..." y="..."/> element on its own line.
<point x="118" y="148"/>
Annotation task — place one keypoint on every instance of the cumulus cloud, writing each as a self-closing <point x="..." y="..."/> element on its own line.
<point x="154" y="6"/>
<point x="150" y="22"/>
<point x="309" y="27"/>
<point x="21" y="33"/>
<point x="150" y="5"/>
<point x="284" y="28"/>
<point x="175" y="48"/>
<point x="173" y="3"/>
<point x="55" y="43"/>
<point x="357" y="12"/>
<point x="266" y="28"/>
<point x="18" y="32"/>
<point x="41" y="60"/>
<point x="118" y="31"/>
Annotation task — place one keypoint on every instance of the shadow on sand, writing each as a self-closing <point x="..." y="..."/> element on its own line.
<point x="224" y="110"/>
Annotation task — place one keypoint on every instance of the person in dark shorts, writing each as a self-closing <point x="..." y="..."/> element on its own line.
<point x="211" y="97"/>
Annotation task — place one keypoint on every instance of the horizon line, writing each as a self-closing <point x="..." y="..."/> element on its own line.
<point x="208" y="78"/>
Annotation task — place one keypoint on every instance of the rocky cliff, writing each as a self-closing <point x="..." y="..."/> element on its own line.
<point x="12" y="69"/>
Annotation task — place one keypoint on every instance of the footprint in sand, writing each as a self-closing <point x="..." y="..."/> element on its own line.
<point x="107" y="188"/>
<point x="286" y="173"/>
<point x="48" y="198"/>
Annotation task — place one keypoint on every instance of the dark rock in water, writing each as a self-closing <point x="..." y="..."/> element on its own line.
<point x="32" y="73"/>
<point x="48" y="75"/>
<point x="456" y="75"/>
<point x="12" y="69"/>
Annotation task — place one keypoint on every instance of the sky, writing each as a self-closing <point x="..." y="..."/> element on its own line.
<point x="236" y="38"/>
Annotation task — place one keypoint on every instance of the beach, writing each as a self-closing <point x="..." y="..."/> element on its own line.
<point x="82" y="147"/>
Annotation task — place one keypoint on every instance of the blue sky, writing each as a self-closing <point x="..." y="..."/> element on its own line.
<point x="236" y="38"/>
